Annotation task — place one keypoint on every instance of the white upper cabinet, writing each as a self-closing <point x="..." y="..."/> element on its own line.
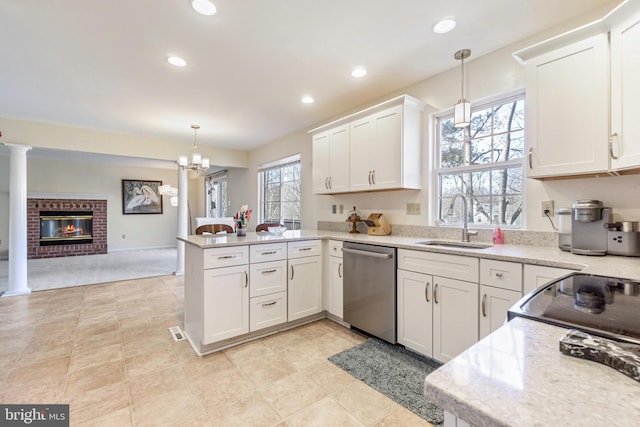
<point x="383" y="146"/>
<point x="625" y="92"/>
<point x="581" y="118"/>
<point x="331" y="161"/>
<point x="566" y="110"/>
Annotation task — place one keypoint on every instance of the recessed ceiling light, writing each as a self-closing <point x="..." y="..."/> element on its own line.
<point x="359" y="72"/>
<point x="307" y="99"/>
<point x="444" y="25"/>
<point x="176" y="61"/>
<point x="204" y="7"/>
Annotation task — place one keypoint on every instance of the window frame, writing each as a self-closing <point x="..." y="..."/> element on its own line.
<point x="437" y="171"/>
<point x="291" y="223"/>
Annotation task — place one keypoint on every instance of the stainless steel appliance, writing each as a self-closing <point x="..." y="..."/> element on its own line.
<point x="600" y="305"/>
<point x="369" y="289"/>
<point x="589" y="227"/>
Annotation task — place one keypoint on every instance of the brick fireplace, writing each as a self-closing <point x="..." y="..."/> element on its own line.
<point x="38" y="208"/>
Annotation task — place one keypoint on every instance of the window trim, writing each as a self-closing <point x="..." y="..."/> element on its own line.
<point x="276" y="164"/>
<point x="434" y="187"/>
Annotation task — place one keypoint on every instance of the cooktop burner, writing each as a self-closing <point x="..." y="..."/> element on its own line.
<point x="605" y="306"/>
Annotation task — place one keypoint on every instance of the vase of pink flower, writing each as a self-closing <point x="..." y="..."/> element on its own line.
<point x="241" y="219"/>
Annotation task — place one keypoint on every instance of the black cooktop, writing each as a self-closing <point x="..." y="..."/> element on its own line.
<point x="605" y="306"/>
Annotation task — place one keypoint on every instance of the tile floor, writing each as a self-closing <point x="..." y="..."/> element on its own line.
<point x="106" y="350"/>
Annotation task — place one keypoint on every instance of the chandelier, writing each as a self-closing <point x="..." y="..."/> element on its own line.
<point x="197" y="161"/>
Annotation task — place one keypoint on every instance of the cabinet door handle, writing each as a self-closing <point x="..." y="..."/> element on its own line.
<point x="246" y="279"/>
<point x="373" y="177"/>
<point x="292" y="272"/>
<point x="269" y="303"/>
<point x="268" y="271"/>
<point x="326" y="182"/>
<point x="484" y="305"/>
<point x="426" y="291"/>
<point x="369" y="177"/>
<point x="531" y="158"/>
<point x="611" y="138"/>
<point x="435" y="293"/>
<point x="330" y="182"/>
<point x="340" y="270"/>
<point x="268" y="253"/>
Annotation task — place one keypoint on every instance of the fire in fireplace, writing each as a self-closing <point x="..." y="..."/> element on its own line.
<point x="64" y="228"/>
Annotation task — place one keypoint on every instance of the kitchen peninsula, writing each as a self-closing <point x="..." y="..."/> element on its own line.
<point x="260" y="266"/>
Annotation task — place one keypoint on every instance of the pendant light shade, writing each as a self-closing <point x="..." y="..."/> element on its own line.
<point x="462" y="109"/>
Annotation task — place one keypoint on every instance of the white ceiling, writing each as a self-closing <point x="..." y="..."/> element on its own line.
<point x="101" y="64"/>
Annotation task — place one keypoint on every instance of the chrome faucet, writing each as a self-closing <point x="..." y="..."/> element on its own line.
<point x="465" y="227"/>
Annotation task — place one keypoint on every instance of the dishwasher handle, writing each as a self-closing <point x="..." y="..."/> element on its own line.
<point x="367" y="253"/>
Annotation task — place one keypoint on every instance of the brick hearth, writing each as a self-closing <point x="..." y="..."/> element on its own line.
<point x="99" y="245"/>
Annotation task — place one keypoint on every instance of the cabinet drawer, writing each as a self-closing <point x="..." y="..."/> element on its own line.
<point x="268" y="278"/>
<point x="335" y="248"/>
<point x="501" y="274"/>
<point x="225" y="257"/>
<point x="443" y="265"/>
<point x="268" y="252"/>
<point x="304" y="248"/>
<point x="267" y="310"/>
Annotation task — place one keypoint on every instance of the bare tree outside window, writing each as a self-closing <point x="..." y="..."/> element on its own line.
<point x="485" y="163"/>
<point x="281" y="195"/>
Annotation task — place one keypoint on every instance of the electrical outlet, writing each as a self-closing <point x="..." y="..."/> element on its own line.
<point x="340" y="209"/>
<point x="546" y="206"/>
<point x="413" y="208"/>
<point x="124" y="236"/>
<point x="333" y="208"/>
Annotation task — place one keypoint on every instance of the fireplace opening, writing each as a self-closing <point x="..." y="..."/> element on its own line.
<point x="64" y="228"/>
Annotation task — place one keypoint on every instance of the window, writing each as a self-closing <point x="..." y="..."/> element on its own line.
<point x="485" y="163"/>
<point x="280" y="192"/>
<point x="216" y="195"/>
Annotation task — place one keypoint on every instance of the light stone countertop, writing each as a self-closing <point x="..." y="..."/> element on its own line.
<point x="518" y="376"/>
<point x="610" y="265"/>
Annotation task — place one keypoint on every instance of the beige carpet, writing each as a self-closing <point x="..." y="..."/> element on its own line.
<point x="54" y="273"/>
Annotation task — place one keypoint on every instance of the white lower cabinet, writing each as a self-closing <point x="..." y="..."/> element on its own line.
<point x="335" y="302"/>
<point x="537" y="275"/>
<point x="455" y="317"/>
<point x="437" y="316"/>
<point x="415" y="311"/>
<point x="305" y="279"/>
<point x="268" y="278"/>
<point x="226" y="303"/>
<point x="494" y="304"/>
<point x="500" y="289"/>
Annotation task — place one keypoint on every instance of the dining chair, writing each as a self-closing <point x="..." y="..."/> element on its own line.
<point x="214" y="228"/>
<point x="265" y="226"/>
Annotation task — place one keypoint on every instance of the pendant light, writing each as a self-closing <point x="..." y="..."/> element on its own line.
<point x="197" y="161"/>
<point x="462" y="110"/>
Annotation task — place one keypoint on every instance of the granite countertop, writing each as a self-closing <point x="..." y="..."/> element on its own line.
<point x="610" y="265"/>
<point x="518" y="376"/>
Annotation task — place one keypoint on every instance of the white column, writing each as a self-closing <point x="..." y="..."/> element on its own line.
<point x="183" y="216"/>
<point x="17" y="221"/>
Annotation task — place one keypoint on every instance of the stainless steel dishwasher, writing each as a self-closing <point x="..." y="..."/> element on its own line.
<point x="369" y="289"/>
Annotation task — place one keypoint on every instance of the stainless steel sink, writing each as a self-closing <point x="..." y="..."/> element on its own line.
<point x="454" y="244"/>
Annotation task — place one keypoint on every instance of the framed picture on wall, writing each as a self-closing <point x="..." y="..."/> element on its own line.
<point x="141" y="197"/>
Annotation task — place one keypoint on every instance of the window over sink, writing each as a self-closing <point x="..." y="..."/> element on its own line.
<point x="483" y="161"/>
<point x="279" y="192"/>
